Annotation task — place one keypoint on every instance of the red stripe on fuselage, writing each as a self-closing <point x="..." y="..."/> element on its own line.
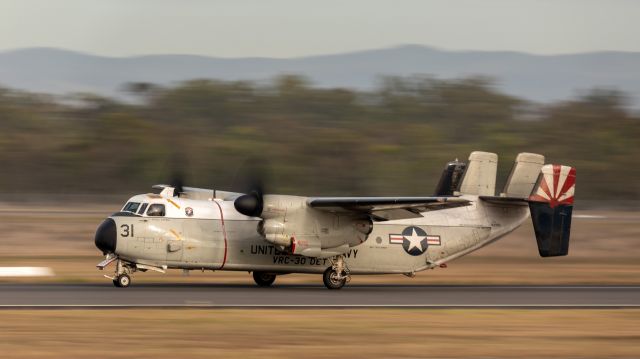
<point x="224" y="233"/>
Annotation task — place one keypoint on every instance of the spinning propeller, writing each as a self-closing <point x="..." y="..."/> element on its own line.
<point x="177" y="184"/>
<point x="250" y="180"/>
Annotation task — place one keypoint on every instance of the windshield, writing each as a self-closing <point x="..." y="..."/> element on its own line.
<point x="131" y="207"/>
<point x="143" y="208"/>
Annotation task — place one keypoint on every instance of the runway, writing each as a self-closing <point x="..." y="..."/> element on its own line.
<point x="315" y="296"/>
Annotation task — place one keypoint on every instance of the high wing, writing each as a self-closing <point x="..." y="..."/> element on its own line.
<point x="386" y="208"/>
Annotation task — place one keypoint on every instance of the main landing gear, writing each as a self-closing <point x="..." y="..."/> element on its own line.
<point x="264" y="279"/>
<point x="336" y="276"/>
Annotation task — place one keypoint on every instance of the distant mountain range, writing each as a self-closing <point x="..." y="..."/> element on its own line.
<point x="534" y="77"/>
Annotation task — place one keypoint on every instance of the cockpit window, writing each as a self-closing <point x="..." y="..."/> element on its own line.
<point x="131" y="207"/>
<point x="142" y="208"/>
<point x="156" y="210"/>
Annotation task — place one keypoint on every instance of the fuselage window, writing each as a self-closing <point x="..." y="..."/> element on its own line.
<point x="156" y="210"/>
<point x="142" y="208"/>
<point x="131" y="207"/>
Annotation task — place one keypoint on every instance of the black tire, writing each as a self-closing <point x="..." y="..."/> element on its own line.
<point x="123" y="280"/>
<point x="115" y="283"/>
<point x="264" y="279"/>
<point x="330" y="281"/>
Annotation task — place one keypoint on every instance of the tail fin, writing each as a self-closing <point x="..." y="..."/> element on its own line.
<point x="524" y="175"/>
<point x="480" y="176"/>
<point x="551" y="206"/>
<point x="450" y="178"/>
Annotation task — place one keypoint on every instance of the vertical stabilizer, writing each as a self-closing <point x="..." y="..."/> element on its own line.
<point x="480" y="176"/>
<point x="551" y="205"/>
<point x="524" y="175"/>
<point x="450" y="179"/>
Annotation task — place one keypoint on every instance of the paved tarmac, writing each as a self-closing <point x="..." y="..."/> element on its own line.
<point x="315" y="296"/>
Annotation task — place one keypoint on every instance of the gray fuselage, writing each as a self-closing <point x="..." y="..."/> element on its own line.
<point x="216" y="237"/>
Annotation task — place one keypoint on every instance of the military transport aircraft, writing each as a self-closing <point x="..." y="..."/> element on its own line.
<point x="269" y="234"/>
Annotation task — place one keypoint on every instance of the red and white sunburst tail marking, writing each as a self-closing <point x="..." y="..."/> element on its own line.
<point x="556" y="185"/>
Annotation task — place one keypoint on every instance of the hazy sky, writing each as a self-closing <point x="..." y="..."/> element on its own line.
<point x="286" y="28"/>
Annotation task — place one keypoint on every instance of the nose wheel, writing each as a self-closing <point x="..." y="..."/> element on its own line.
<point x="122" y="280"/>
<point x="122" y="276"/>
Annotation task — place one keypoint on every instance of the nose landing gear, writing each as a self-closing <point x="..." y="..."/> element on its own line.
<point x="122" y="276"/>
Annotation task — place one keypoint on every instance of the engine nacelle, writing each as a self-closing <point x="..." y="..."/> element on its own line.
<point x="281" y="206"/>
<point x="274" y="232"/>
<point x="288" y="222"/>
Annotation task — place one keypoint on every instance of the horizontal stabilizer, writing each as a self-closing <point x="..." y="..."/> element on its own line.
<point x="505" y="201"/>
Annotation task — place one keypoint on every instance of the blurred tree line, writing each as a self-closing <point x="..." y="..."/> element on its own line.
<point x="393" y="140"/>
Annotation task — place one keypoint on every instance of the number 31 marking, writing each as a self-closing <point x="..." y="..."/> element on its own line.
<point x="127" y="230"/>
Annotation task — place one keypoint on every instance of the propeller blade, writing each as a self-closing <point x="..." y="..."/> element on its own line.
<point x="250" y="176"/>
<point x="250" y="179"/>
<point x="177" y="184"/>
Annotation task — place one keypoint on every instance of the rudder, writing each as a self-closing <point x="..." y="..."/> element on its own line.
<point x="551" y="206"/>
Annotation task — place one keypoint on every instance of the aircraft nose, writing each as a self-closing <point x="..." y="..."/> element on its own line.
<point x="106" y="236"/>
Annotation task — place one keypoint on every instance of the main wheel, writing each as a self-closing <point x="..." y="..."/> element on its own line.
<point x="264" y="279"/>
<point x="332" y="280"/>
<point x="122" y="281"/>
<point x="115" y="282"/>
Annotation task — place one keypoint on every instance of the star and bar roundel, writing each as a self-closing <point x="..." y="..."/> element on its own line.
<point x="414" y="240"/>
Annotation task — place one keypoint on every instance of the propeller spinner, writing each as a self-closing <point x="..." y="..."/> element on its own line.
<point x="250" y="204"/>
